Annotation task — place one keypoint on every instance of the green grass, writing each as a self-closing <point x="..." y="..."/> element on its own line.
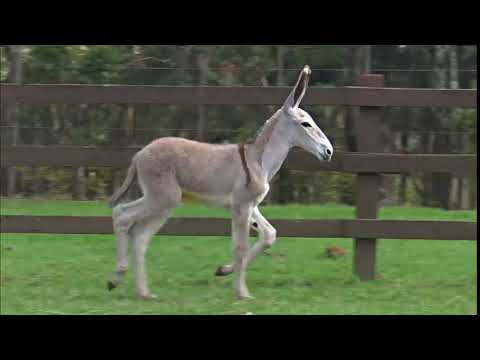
<point x="66" y="274"/>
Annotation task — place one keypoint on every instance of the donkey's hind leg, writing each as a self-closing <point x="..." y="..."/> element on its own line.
<point x="125" y="216"/>
<point x="142" y="232"/>
<point x="161" y="195"/>
<point x="122" y="222"/>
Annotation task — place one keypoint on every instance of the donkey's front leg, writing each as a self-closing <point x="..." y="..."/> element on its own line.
<point x="240" y="234"/>
<point x="266" y="232"/>
<point x="267" y="236"/>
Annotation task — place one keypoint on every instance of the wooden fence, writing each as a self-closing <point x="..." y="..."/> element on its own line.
<point x="369" y="163"/>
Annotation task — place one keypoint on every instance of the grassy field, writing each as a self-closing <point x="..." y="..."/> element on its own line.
<point x="66" y="274"/>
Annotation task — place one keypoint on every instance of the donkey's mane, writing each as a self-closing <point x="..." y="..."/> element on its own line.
<point x="265" y="131"/>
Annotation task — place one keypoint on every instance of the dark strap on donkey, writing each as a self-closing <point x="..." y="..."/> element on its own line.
<point x="241" y="151"/>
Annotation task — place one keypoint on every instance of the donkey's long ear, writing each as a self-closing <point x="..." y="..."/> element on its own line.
<point x="296" y="96"/>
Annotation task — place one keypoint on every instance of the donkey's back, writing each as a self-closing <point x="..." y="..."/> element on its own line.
<point x="196" y="166"/>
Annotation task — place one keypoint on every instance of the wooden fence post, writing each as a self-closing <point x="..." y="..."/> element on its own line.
<point x="368" y="184"/>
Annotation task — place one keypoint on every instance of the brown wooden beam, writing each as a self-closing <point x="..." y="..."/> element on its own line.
<point x="331" y="228"/>
<point x="233" y="95"/>
<point x="119" y="157"/>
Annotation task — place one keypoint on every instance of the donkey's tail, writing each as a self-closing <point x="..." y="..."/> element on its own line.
<point x="122" y="190"/>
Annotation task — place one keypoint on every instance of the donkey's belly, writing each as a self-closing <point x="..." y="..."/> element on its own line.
<point x="214" y="200"/>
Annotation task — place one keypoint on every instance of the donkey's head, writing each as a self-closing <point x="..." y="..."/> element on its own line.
<point x="302" y="129"/>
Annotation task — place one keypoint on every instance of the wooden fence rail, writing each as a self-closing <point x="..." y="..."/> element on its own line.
<point x="120" y="157"/>
<point x="232" y="95"/>
<point x="336" y="228"/>
<point x="371" y="97"/>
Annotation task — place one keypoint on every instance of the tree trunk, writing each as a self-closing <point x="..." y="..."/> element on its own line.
<point x="80" y="181"/>
<point x="403" y="177"/>
<point x="465" y="200"/>
<point x="130" y="123"/>
<point x="359" y="62"/>
<point x="281" y="50"/>
<point x="15" y="76"/>
<point x="124" y="135"/>
<point x="36" y="179"/>
<point x="80" y="185"/>
<point x="202" y="63"/>
<point x="453" y="67"/>
<point x="464" y="188"/>
<point x="3" y="139"/>
<point x="351" y="113"/>
<point x="366" y="58"/>
<point x="274" y="194"/>
<point x="441" y="181"/>
<point x="456" y="188"/>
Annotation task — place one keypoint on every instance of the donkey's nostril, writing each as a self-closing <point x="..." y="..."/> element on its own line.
<point x="329" y="152"/>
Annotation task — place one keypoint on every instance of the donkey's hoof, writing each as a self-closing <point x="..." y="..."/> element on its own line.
<point x="244" y="294"/>
<point x="223" y="271"/>
<point x="148" y="296"/>
<point x="111" y="285"/>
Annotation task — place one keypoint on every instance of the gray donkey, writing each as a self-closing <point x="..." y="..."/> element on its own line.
<point x="233" y="176"/>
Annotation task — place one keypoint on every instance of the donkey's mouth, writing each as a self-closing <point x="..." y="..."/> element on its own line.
<point x="323" y="157"/>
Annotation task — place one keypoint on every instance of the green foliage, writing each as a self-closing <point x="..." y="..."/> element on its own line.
<point x="55" y="182"/>
<point x="4" y="64"/>
<point x="49" y="64"/>
<point x="345" y="188"/>
<point x="101" y="64"/>
<point x="465" y="119"/>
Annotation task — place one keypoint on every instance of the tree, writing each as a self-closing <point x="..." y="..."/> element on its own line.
<point x="441" y="144"/>
<point x="15" y="75"/>
<point x="358" y="61"/>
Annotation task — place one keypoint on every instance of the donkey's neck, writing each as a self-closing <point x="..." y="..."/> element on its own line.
<point x="276" y="150"/>
<point x="272" y="146"/>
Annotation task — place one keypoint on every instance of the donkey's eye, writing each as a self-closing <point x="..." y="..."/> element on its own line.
<point x="306" y="124"/>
